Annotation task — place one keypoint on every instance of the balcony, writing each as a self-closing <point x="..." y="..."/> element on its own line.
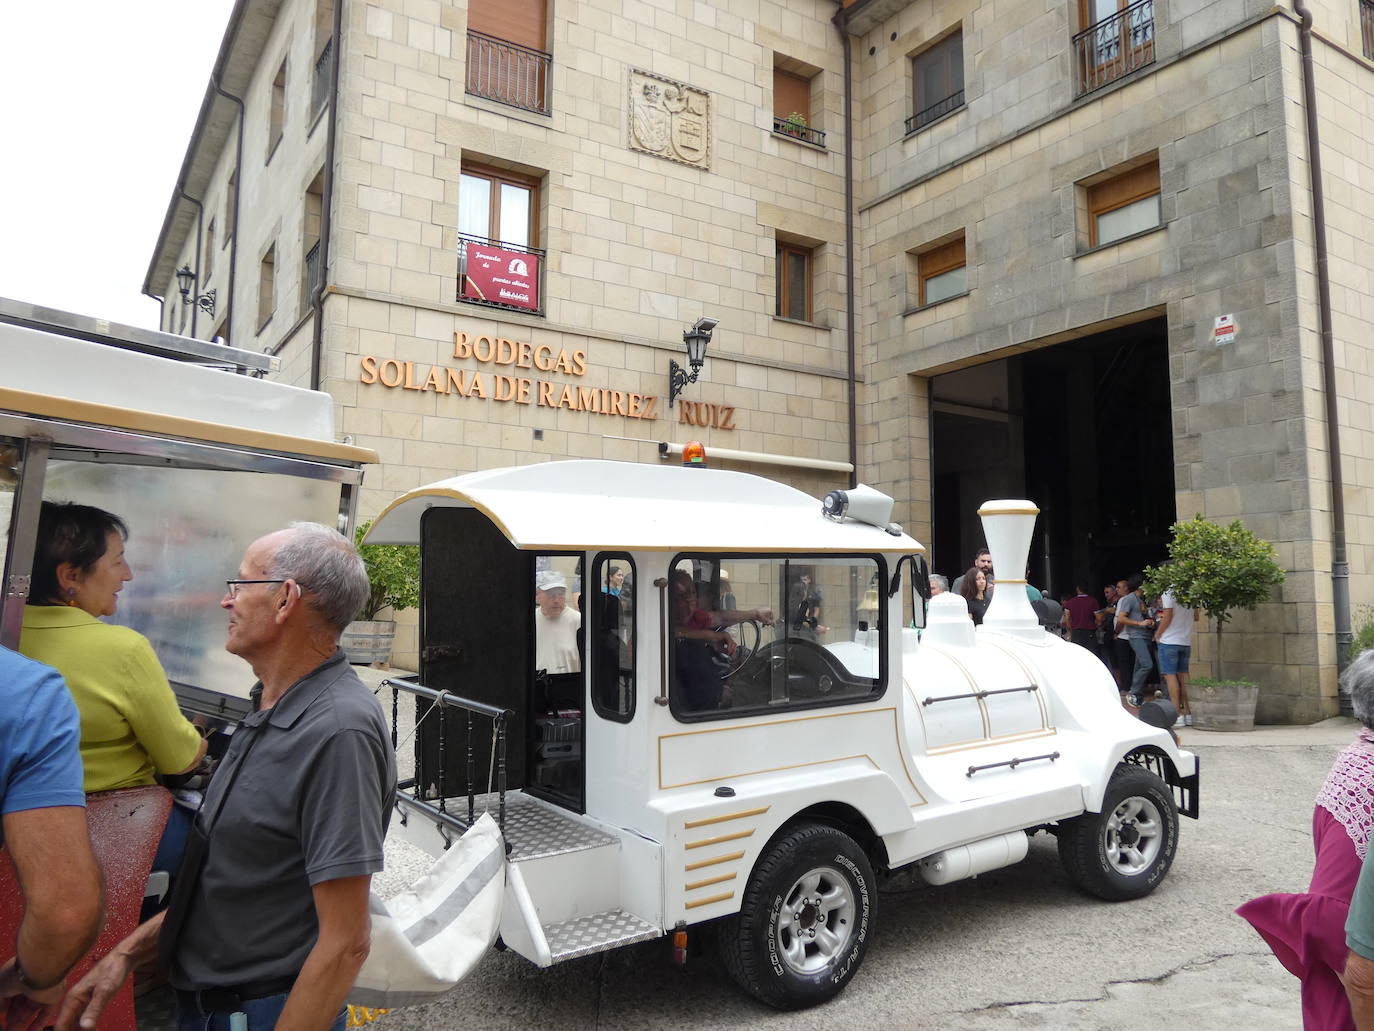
<point x="508" y="73"/>
<point x="324" y="69"/>
<point x="1367" y="27"/>
<point x="312" y="272"/>
<point x="502" y="275"/>
<point x="1114" y="47"/>
<point x="937" y="110"/>
<point x="799" y="131"/>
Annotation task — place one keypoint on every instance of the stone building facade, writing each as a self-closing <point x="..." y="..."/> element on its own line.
<point x="640" y="165"/>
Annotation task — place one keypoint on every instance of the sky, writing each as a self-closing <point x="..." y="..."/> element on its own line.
<point x="97" y="102"/>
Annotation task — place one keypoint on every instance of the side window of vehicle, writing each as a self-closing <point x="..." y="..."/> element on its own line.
<point x="610" y="605"/>
<point x="758" y="634"/>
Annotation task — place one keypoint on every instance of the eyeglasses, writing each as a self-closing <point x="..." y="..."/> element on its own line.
<point x="234" y="585"/>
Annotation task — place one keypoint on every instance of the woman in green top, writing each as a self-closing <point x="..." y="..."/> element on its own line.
<point x="131" y="727"/>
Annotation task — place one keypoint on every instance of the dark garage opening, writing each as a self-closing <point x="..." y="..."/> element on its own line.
<point x="1084" y="430"/>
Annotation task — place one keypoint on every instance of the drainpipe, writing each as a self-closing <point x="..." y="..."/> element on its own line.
<point x="841" y="22"/>
<point x="326" y="203"/>
<point x="200" y="226"/>
<point x="238" y="192"/>
<point x="1340" y="563"/>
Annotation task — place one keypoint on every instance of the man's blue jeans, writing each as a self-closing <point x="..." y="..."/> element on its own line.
<point x="1143" y="664"/>
<point x="262" y="1016"/>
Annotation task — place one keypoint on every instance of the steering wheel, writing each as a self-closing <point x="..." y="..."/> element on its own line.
<point x="743" y="650"/>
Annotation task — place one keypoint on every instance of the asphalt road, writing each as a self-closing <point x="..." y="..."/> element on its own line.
<point x="1017" y="947"/>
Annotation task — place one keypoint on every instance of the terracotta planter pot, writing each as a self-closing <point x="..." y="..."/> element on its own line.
<point x="1224" y="707"/>
<point x="368" y="641"/>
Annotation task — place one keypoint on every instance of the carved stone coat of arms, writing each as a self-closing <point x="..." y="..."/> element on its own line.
<point x="670" y="119"/>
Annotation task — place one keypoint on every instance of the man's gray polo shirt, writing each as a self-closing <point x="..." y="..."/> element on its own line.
<point x="311" y="803"/>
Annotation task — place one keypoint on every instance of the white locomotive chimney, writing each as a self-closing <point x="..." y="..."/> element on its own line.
<point x="1007" y="526"/>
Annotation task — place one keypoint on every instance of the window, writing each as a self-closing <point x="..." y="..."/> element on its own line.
<point x="816" y="602"/>
<point x="793" y="289"/>
<point x="558" y="696"/>
<point x="612" y="639"/>
<point x="1367" y="27"/>
<point x="1123" y="204"/>
<point x="1117" y="38"/>
<point x="942" y="272"/>
<point x="277" y="115"/>
<point x="310" y="239"/>
<point x="231" y="203"/>
<point x="324" y="54"/>
<point x="497" y="219"/>
<point x="267" y="287"/>
<point x="937" y="81"/>
<point x="221" y="332"/>
<point x="792" y="106"/>
<point x="209" y="252"/>
<point x="506" y="61"/>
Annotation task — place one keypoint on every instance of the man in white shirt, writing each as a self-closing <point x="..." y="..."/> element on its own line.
<point x="1174" y="635"/>
<point x="555" y="625"/>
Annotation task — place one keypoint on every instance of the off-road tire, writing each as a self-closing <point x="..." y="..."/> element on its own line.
<point x="784" y="958"/>
<point x="1124" y="851"/>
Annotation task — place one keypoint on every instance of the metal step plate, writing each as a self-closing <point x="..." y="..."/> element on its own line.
<point x="535" y="830"/>
<point x="599" y="932"/>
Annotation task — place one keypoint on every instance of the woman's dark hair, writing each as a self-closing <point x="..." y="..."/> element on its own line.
<point x="969" y="588"/>
<point x="68" y="532"/>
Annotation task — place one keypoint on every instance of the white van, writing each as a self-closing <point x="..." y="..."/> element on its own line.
<point x="761" y="716"/>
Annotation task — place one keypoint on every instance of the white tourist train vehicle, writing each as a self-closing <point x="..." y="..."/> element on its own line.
<point x="663" y="784"/>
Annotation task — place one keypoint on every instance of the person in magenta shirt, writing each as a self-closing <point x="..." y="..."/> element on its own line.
<point x="1307" y="930"/>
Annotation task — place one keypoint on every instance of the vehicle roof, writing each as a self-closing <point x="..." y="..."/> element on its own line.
<point x="55" y="376"/>
<point x="586" y="505"/>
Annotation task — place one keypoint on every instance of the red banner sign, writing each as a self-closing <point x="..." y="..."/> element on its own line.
<point x="503" y="277"/>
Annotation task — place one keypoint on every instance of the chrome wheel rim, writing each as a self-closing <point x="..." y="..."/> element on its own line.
<point x="1133" y="836"/>
<point x="816" y="921"/>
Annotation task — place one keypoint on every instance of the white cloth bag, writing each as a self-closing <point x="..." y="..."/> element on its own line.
<point x="427" y="939"/>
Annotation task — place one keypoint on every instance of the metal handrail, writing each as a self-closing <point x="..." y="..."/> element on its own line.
<point x="798" y="131"/>
<point x="937" y="110"/>
<point x="312" y="269"/>
<point x="1367" y="27"/>
<point x="1114" y="47"/>
<point x="440" y="701"/>
<point x="508" y="73"/>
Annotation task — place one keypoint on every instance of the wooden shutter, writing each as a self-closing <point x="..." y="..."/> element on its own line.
<point x="791" y="93"/>
<point x="515" y="21"/>
<point x="1124" y="189"/>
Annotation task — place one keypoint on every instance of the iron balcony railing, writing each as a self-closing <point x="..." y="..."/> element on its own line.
<point x="508" y="73"/>
<point x="324" y="67"/>
<point x="798" y="131"/>
<point x="937" y="110"/>
<point x="472" y="293"/>
<point x="1367" y="27"/>
<point x="312" y="271"/>
<point x="1114" y="47"/>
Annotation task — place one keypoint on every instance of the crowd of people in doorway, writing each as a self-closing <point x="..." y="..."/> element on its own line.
<point x="1146" y="643"/>
<point x="267" y="918"/>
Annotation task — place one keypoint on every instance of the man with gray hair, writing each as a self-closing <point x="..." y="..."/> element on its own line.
<point x="269" y="917"/>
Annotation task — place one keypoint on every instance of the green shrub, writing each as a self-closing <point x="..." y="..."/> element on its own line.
<point x="393" y="571"/>
<point x="1364" y="633"/>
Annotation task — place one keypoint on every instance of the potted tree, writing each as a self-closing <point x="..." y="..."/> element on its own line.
<point x="1217" y="569"/>
<point x="393" y="572"/>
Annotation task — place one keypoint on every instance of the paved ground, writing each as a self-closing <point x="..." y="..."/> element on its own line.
<point x="1017" y="947"/>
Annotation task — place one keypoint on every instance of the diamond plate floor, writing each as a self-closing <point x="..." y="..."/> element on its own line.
<point x="535" y="829"/>
<point x="599" y="932"/>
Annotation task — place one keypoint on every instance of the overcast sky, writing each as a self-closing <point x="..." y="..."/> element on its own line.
<point x="97" y="102"/>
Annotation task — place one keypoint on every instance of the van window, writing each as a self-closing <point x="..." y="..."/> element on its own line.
<point x="611" y="605"/>
<point x="824" y="644"/>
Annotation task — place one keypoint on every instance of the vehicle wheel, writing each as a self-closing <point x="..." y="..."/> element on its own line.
<point x="805" y="919"/>
<point x="1124" y="851"/>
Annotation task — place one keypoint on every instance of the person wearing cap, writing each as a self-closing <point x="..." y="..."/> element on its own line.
<point x="555" y="625"/>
